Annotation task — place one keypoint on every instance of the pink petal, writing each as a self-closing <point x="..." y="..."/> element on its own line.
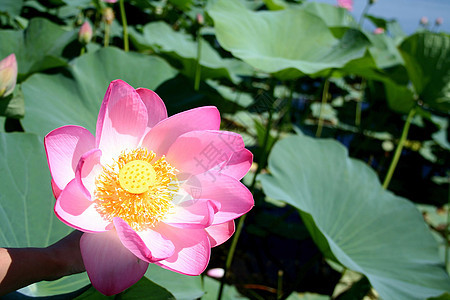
<point x="148" y="245"/>
<point x="161" y="137"/>
<point x="76" y="210"/>
<point x="231" y="197"/>
<point x="155" y="106"/>
<point x="64" y="147"/>
<point x="87" y="170"/>
<point x="220" y="233"/>
<point x="192" y="250"/>
<point x="198" y="214"/>
<point x="122" y="120"/>
<point x="198" y="152"/>
<point x="110" y="266"/>
<point x="239" y="164"/>
<point x="8" y="75"/>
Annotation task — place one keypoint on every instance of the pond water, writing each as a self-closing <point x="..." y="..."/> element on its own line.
<point x="406" y="12"/>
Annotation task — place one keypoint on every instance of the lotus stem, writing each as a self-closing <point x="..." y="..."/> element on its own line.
<point x="446" y="232"/>
<point x="198" y="67"/>
<point x="263" y="158"/>
<point x="106" y="37"/>
<point x="326" y="86"/>
<point x="359" y="103"/>
<point x="364" y="12"/>
<point x="399" y="148"/>
<point x="124" y="25"/>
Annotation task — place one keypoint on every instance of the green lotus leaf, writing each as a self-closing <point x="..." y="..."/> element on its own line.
<point x="427" y="60"/>
<point x="161" y="38"/>
<point x="368" y="229"/>
<point x="287" y="43"/>
<point x="39" y="47"/>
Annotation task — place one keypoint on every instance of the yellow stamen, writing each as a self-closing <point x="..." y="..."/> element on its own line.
<point x="136" y="189"/>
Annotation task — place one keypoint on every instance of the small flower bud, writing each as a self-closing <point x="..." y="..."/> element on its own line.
<point x="200" y="19"/>
<point x="378" y="30"/>
<point x="387" y="146"/>
<point x="110" y="1"/>
<point x="108" y="15"/>
<point x="347" y="4"/>
<point x="439" y="21"/>
<point x="216" y="273"/>
<point x="424" y="21"/>
<point x="8" y="75"/>
<point x="85" y="33"/>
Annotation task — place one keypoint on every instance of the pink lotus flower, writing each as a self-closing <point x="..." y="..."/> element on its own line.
<point x="147" y="188"/>
<point x="347" y="4"/>
<point x="85" y="33"/>
<point x="378" y="30"/>
<point x="8" y="75"/>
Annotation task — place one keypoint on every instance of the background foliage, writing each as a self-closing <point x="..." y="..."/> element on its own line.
<point x="349" y="131"/>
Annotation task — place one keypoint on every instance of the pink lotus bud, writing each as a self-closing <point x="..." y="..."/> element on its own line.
<point x="439" y="21"/>
<point x="216" y="273"/>
<point x="108" y="15"/>
<point x="8" y="75"/>
<point x="378" y="30"/>
<point x="200" y="19"/>
<point x="424" y="21"/>
<point x="347" y="4"/>
<point x="110" y="1"/>
<point x="85" y="33"/>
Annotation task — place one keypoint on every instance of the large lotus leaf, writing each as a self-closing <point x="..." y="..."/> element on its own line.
<point x="289" y="43"/>
<point x="384" y="51"/>
<point x="26" y="206"/>
<point x="52" y="101"/>
<point x="160" y="37"/>
<point x="399" y="97"/>
<point x="369" y="229"/>
<point x="427" y="60"/>
<point x="183" y="287"/>
<point x="38" y="47"/>
<point x="11" y="7"/>
<point x="337" y="18"/>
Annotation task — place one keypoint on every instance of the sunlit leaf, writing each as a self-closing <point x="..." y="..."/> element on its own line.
<point x="161" y="38"/>
<point x="26" y="206"/>
<point x="39" y="47"/>
<point x="368" y="229"/>
<point x="288" y="43"/>
<point x="52" y="101"/>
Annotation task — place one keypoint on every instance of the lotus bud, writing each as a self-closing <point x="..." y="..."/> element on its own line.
<point x="378" y="30"/>
<point x="8" y="75"/>
<point x="347" y="4"/>
<point x="387" y="146"/>
<point x="216" y="273"/>
<point x="200" y="19"/>
<point x="108" y="15"/>
<point x="424" y="21"/>
<point x="439" y="21"/>
<point x="110" y="1"/>
<point x="85" y="33"/>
